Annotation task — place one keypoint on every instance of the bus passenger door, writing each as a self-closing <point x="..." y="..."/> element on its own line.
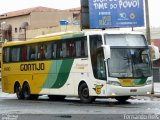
<point x="98" y="64"/>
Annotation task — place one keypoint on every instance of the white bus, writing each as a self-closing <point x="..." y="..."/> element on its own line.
<point x="94" y="64"/>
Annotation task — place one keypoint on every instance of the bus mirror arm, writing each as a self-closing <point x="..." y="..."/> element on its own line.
<point x="105" y="60"/>
<point x="107" y="52"/>
<point x="154" y="52"/>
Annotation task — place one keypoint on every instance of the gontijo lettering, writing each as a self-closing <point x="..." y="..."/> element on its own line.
<point x="32" y="67"/>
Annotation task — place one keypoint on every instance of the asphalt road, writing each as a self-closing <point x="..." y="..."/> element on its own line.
<point x="140" y="107"/>
<point x="72" y="109"/>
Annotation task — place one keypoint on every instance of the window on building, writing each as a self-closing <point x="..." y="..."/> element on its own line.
<point x="20" y="29"/>
<point x="15" y="30"/>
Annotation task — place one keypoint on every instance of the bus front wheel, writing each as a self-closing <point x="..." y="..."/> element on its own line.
<point x="83" y="92"/>
<point x="18" y="91"/>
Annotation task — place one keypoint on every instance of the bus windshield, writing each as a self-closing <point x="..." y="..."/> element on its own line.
<point x="129" y="62"/>
<point x="129" y="56"/>
<point x="125" y="40"/>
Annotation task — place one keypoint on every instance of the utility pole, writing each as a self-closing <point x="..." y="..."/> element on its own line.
<point x="148" y="35"/>
<point x="147" y="22"/>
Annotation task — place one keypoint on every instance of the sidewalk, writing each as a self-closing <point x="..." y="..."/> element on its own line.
<point x="6" y="95"/>
<point x="156" y="95"/>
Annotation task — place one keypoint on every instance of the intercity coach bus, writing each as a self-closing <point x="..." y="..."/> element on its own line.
<point x="88" y="65"/>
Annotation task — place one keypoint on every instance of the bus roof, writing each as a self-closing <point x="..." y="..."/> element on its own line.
<point x="112" y="32"/>
<point x="48" y="37"/>
<point x="65" y="35"/>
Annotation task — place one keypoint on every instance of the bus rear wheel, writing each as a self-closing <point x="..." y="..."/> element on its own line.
<point x="18" y="91"/>
<point x="83" y="92"/>
<point x="122" y="99"/>
<point x="27" y="93"/>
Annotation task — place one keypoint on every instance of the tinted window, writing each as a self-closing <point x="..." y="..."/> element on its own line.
<point x="67" y="48"/>
<point x="15" y="54"/>
<point x="6" y="54"/>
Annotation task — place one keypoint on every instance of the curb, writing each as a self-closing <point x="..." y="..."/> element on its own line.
<point x="156" y="95"/>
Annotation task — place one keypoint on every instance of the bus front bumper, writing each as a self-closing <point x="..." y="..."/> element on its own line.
<point x="128" y="91"/>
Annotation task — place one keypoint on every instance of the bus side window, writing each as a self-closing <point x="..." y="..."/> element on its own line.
<point x="81" y="47"/>
<point x="54" y="46"/>
<point x="59" y="50"/>
<point x="48" y="51"/>
<point x="64" y="50"/>
<point x="39" y="54"/>
<point x="33" y="52"/>
<point x="28" y="52"/>
<point x="42" y="49"/>
<point x="78" y="48"/>
<point x="71" y="49"/>
<point x="15" y="54"/>
<point x="32" y="56"/>
<point x="23" y="53"/>
<point x="84" y="47"/>
<point x="6" y="54"/>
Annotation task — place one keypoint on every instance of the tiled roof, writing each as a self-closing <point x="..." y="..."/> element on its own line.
<point x="25" y="12"/>
<point x="75" y="10"/>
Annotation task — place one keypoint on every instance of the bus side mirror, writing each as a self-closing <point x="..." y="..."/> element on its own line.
<point x="154" y="52"/>
<point x="107" y="51"/>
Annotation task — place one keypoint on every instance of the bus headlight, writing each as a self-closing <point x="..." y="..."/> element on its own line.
<point x="148" y="82"/>
<point x="114" y="83"/>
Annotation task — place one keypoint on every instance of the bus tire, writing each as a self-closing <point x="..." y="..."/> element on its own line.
<point x="83" y="93"/>
<point x="56" y="97"/>
<point x="26" y="91"/>
<point x="18" y="91"/>
<point x="122" y="99"/>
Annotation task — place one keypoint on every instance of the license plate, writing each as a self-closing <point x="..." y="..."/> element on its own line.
<point x="133" y="90"/>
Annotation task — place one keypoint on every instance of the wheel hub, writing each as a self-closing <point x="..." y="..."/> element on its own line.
<point x="85" y="93"/>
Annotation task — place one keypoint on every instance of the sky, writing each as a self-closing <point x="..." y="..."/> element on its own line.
<point x="13" y="5"/>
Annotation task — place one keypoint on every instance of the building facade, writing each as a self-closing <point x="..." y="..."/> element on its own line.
<point x="32" y="22"/>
